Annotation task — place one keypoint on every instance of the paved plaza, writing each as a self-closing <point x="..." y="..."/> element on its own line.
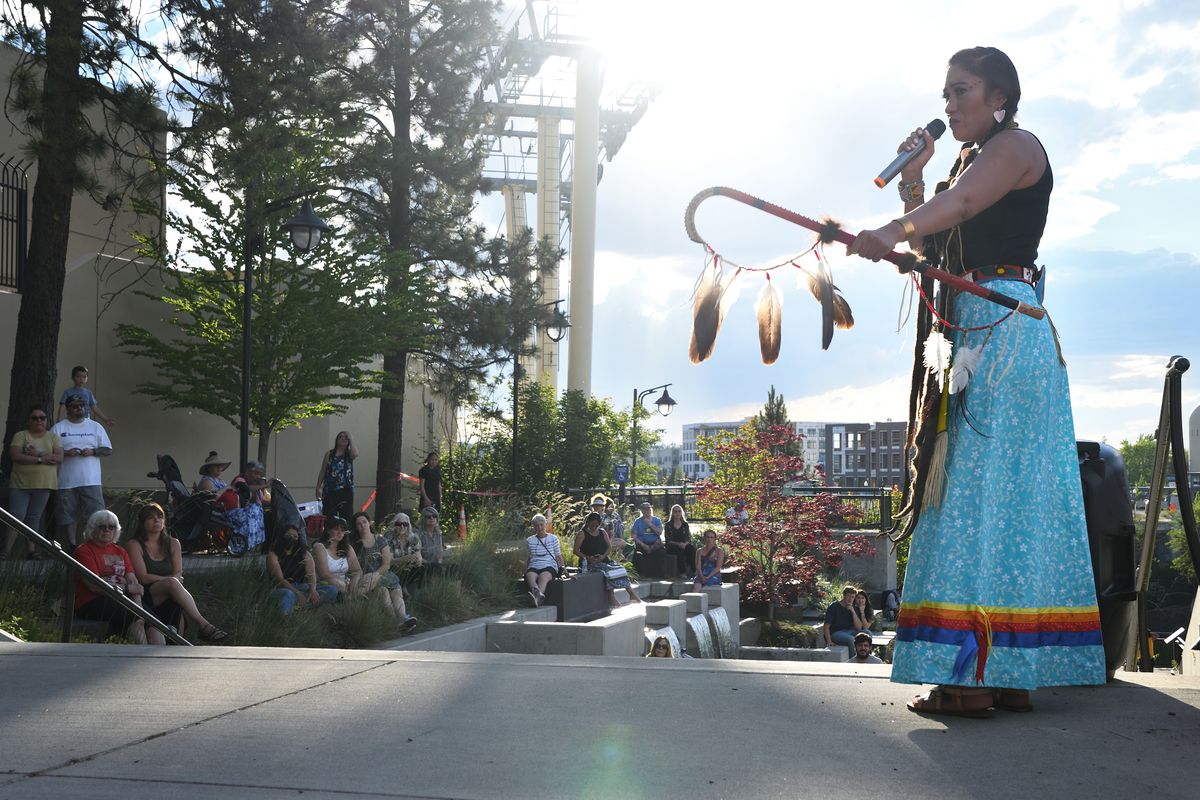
<point x="107" y="721"/>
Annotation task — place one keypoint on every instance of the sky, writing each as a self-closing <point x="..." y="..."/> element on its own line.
<point x="802" y="104"/>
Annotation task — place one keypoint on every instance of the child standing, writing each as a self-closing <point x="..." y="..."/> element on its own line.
<point x="90" y="407"/>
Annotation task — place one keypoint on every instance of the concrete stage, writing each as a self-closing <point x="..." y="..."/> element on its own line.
<point x="136" y="723"/>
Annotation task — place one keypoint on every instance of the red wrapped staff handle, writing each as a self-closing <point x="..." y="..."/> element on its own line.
<point x="831" y="232"/>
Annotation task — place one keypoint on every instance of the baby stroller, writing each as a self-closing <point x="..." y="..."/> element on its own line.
<point x="196" y="519"/>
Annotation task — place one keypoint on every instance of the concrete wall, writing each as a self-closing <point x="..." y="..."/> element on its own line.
<point x="874" y="572"/>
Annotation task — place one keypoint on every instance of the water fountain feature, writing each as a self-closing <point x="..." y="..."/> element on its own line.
<point x="721" y="633"/>
<point x="700" y="636"/>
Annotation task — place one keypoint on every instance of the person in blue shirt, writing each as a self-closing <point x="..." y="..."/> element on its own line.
<point x="79" y="375"/>
<point x="647" y="531"/>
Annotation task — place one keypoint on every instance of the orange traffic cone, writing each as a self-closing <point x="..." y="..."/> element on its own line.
<point x="462" y="522"/>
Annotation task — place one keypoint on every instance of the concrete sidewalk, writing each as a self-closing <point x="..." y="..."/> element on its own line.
<point x="102" y="721"/>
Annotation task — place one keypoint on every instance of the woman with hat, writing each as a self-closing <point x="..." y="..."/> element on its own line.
<point x="210" y="474"/>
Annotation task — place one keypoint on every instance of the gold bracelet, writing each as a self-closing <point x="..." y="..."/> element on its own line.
<point x="910" y="230"/>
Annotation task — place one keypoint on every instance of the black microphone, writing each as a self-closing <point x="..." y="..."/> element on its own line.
<point x="935" y="129"/>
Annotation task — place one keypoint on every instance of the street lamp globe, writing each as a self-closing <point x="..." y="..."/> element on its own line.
<point x="306" y="228"/>
<point x="556" y="328"/>
<point x="665" y="404"/>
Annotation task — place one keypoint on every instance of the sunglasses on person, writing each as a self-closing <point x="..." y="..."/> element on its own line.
<point x="401" y="525"/>
<point x="37" y="417"/>
<point x="106" y="527"/>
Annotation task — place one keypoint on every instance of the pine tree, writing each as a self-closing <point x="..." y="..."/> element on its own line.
<point x="411" y="89"/>
<point x="774" y="414"/>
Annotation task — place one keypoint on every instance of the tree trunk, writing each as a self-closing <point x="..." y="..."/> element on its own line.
<point x="395" y="365"/>
<point x="264" y="444"/>
<point x="35" y="348"/>
<point x="391" y="427"/>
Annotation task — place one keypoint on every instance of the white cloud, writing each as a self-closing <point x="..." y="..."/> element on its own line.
<point x="1138" y="367"/>
<point x="1074" y="215"/>
<point x="659" y="285"/>
<point x="1172" y="36"/>
<point x="887" y="399"/>
<point x="1175" y="172"/>
<point x="1142" y="141"/>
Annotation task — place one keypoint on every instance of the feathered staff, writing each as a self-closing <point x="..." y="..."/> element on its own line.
<point x="835" y="311"/>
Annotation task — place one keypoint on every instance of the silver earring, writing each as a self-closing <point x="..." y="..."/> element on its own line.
<point x="999" y="115"/>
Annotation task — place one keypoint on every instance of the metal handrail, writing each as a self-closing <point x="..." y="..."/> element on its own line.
<point x="55" y="550"/>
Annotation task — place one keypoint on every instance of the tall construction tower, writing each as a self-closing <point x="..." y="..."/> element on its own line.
<point x="552" y="123"/>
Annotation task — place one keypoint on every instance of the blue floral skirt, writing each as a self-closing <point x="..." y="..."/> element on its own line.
<point x="999" y="590"/>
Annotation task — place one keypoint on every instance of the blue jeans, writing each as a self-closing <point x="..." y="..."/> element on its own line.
<point x="287" y="598"/>
<point x="844" y="637"/>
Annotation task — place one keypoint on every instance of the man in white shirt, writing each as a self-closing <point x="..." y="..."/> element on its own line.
<point x="84" y="443"/>
<point x="738" y="514"/>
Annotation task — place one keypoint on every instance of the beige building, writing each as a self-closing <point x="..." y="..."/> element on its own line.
<point x="100" y="293"/>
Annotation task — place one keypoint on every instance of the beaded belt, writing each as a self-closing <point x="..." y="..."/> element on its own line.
<point x="1029" y="275"/>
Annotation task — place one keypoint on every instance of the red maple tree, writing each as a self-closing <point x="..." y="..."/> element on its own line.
<point x="787" y="542"/>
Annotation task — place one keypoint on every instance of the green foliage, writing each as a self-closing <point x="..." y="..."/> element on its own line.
<point x="319" y="320"/>
<point x="781" y="633"/>
<point x="237" y="599"/>
<point x="569" y="443"/>
<point x="729" y="469"/>
<point x="28" y="603"/>
<point x="1177" y="538"/>
<point x="441" y="600"/>
<point x="361" y="623"/>
<point x="1139" y="459"/>
<point x="902" y="561"/>
<point x="773" y="413"/>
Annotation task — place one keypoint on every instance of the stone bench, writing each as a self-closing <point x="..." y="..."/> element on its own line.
<point x="659" y="564"/>
<point x="618" y="634"/>
<point x="835" y="654"/>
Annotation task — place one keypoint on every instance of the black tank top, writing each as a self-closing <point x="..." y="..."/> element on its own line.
<point x="593" y="545"/>
<point x="160" y="566"/>
<point x="1009" y="231"/>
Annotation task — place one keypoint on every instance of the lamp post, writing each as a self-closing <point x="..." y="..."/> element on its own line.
<point x="556" y="328"/>
<point x="305" y="230"/>
<point x="665" y="405"/>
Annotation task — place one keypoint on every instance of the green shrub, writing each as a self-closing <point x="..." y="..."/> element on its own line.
<point x="360" y="623"/>
<point x="777" y="633"/>
<point x="442" y="601"/>
<point x="31" y="601"/>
